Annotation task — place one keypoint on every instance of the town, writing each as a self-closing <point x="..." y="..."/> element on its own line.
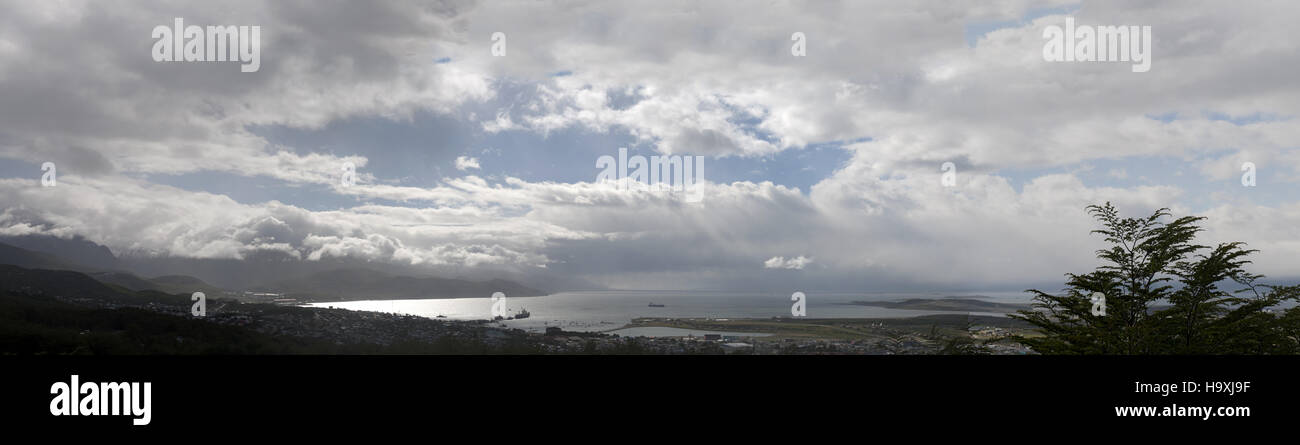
<point x="347" y="331"/>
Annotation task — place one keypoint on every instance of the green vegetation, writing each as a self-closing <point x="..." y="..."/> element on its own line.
<point x="1154" y="261"/>
<point x="938" y="326"/>
<point x="37" y="324"/>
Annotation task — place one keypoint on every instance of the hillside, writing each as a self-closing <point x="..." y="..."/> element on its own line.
<point x="32" y="259"/>
<point x="171" y="284"/>
<point x="21" y="257"/>
<point x="74" y="253"/>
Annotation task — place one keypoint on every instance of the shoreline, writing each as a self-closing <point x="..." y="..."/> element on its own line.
<point x="781" y="328"/>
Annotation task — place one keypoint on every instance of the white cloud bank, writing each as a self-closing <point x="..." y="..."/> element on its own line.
<point x="713" y="78"/>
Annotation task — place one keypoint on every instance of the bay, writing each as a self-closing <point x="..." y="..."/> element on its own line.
<point x="612" y="310"/>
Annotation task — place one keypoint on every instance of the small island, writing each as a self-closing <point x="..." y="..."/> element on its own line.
<point x="955" y="304"/>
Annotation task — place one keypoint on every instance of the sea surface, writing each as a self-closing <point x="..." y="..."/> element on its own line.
<point x="612" y="310"/>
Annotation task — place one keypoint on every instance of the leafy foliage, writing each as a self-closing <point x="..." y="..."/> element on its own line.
<point x="1164" y="295"/>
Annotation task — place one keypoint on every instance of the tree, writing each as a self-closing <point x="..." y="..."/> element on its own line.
<point x="1163" y="295"/>
<point x="961" y="344"/>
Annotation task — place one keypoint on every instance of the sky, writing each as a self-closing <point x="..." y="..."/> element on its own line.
<point x="821" y="171"/>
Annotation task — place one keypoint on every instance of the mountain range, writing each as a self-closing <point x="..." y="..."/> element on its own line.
<point x="320" y="281"/>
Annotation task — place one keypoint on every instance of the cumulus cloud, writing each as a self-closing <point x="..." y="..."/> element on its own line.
<point x="466" y="163"/>
<point x="797" y="263"/>
<point x="103" y="96"/>
<point x="894" y="86"/>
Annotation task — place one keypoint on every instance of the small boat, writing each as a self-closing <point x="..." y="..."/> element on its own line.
<point x="656" y="305"/>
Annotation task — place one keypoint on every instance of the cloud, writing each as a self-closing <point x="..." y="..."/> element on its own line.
<point x="797" y="263"/>
<point x="102" y="96"/>
<point x="466" y="163"/>
<point x="897" y="90"/>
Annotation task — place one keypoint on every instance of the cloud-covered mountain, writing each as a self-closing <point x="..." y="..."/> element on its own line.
<point x="72" y="253"/>
<point x="50" y="253"/>
<point x="21" y="257"/>
<point x="318" y="280"/>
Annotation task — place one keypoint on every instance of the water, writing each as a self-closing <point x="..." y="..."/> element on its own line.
<point x="611" y="310"/>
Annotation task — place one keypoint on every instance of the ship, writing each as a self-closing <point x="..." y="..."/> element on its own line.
<point x="523" y="313"/>
<point x="656" y="305"/>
